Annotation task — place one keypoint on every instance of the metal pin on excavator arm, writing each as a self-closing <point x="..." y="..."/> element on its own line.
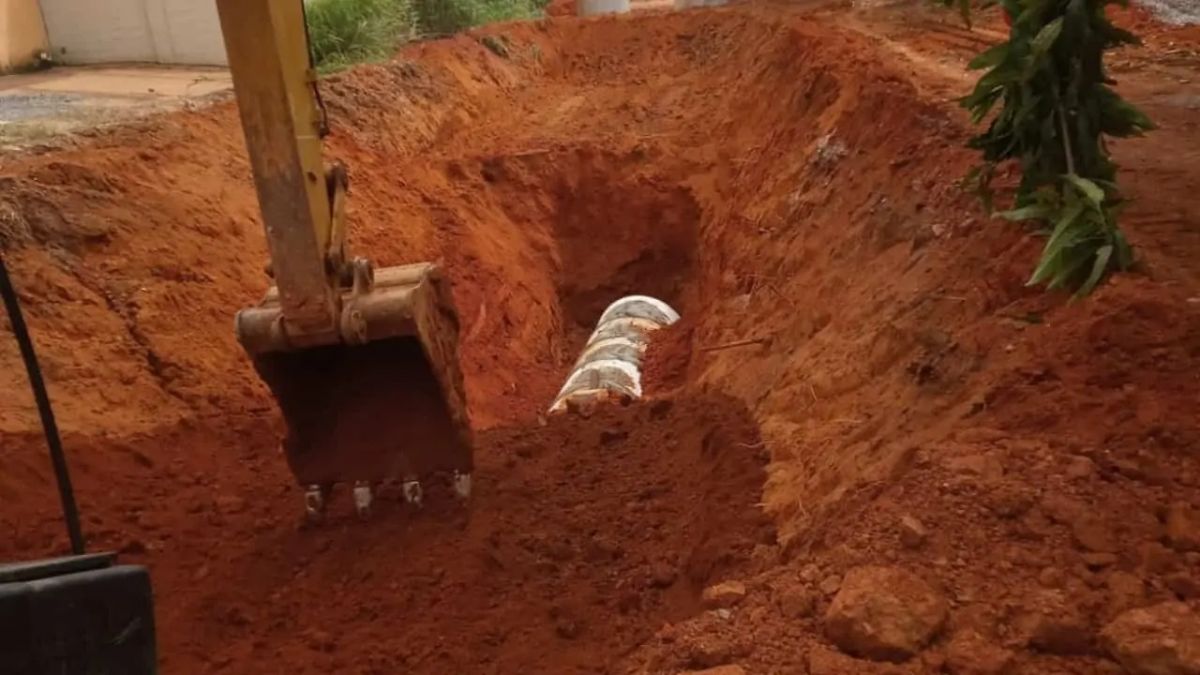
<point x="362" y="362"/>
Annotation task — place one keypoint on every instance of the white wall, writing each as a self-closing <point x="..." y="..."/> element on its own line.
<point x="115" y="31"/>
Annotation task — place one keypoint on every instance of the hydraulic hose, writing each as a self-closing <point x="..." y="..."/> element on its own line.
<point x="65" y="493"/>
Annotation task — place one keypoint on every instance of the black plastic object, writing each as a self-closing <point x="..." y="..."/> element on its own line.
<point x="65" y="494"/>
<point x="78" y="615"/>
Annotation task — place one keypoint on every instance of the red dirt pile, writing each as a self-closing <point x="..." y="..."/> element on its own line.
<point x="996" y="477"/>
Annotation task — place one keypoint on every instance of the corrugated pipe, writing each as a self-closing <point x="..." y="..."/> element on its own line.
<point x="611" y="363"/>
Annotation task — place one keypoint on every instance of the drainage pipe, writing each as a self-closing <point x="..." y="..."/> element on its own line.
<point x="611" y="363"/>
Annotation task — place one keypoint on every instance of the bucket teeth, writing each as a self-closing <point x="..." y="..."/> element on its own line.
<point x="363" y="496"/>
<point x="314" y="502"/>
<point x="413" y="494"/>
<point x="462" y="485"/>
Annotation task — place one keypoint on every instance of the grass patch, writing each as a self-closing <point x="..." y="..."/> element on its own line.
<point x="344" y="32"/>
<point x="443" y="17"/>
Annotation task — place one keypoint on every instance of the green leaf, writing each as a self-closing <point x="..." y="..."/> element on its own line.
<point x="1061" y="236"/>
<point x="1032" y="10"/>
<point x="1031" y="212"/>
<point x="1124" y="252"/>
<point x="1094" y="194"/>
<point x="1099" y="266"/>
<point x="1073" y="261"/>
<point x="1046" y="37"/>
<point x="990" y="57"/>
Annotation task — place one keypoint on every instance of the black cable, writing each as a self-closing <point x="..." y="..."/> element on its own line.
<point x="323" y="123"/>
<point x="65" y="493"/>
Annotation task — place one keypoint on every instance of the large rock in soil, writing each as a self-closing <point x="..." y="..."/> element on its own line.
<point x="884" y="613"/>
<point x="1159" y="640"/>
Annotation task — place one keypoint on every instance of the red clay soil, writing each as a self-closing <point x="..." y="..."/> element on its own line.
<point x="665" y="364"/>
<point x="780" y="175"/>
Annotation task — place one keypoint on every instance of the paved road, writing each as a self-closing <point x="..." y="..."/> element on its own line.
<point x="35" y="107"/>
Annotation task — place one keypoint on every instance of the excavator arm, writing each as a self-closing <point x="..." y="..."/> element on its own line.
<point x="362" y="362"/>
<point x="269" y="60"/>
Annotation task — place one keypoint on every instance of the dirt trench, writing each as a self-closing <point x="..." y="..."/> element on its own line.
<point x="858" y="344"/>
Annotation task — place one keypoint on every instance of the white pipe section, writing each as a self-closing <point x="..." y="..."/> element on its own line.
<point x="610" y="365"/>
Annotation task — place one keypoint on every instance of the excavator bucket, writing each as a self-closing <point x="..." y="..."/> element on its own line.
<point x="363" y="363"/>
<point x="388" y="408"/>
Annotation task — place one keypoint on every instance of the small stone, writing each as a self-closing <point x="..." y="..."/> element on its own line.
<point x="884" y="613"/>
<point x="830" y="584"/>
<point x="1052" y="577"/>
<point x="1183" y="527"/>
<point x="1099" y="560"/>
<point x="810" y="573"/>
<point x="912" y="533"/>
<point x="1183" y="586"/>
<point x="1080" y="468"/>
<point x="969" y="653"/>
<point x="797" y="602"/>
<point x="724" y="594"/>
<point x="1055" y="626"/>
<point x="1160" y="640"/>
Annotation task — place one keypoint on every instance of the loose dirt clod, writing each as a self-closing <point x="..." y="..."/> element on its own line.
<point x="723" y="595"/>
<point x="969" y="653"/>
<point x="1053" y="623"/>
<point x="912" y="533"/>
<point x="884" y="613"/>
<point x="1160" y="640"/>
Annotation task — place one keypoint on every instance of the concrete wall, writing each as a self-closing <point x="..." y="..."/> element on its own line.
<point x="22" y="33"/>
<point x="146" y="31"/>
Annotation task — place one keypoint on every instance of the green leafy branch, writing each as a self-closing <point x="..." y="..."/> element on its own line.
<point x="1056" y="107"/>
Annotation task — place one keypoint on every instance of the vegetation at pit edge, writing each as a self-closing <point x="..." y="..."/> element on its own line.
<point x="344" y="32"/>
<point x="1056" y="107"/>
